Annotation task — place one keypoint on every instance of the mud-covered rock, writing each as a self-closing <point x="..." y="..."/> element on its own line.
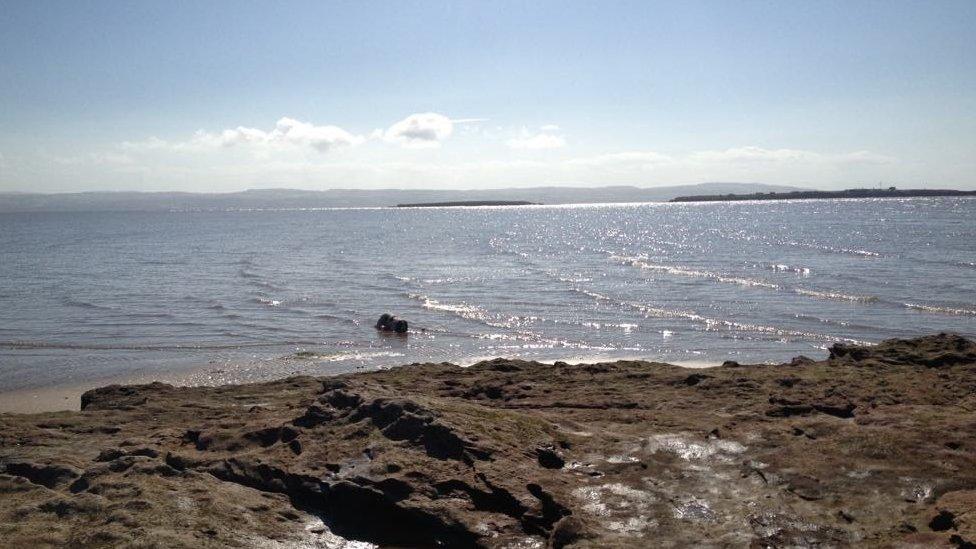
<point x="868" y="447"/>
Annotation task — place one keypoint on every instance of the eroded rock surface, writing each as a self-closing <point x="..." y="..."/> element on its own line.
<point x="875" y="446"/>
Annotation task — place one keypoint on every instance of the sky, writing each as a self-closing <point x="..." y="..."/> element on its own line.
<point x="225" y="96"/>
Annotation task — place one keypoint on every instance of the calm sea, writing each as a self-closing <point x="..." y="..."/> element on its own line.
<point x="236" y="296"/>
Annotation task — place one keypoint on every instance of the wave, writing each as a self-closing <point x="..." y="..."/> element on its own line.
<point x="781" y="268"/>
<point x="463" y="310"/>
<point x="266" y="301"/>
<point x="72" y="302"/>
<point x="343" y="356"/>
<point x="182" y="347"/>
<point x="939" y="310"/>
<point x="149" y="315"/>
<point x="438" y="281"/>
<point x="684" y="271"/>
<point x="626" y="327"/>
<point x="266" y="285"/>
<point x="529" y="339"/>
<point x="837" y="296"/>
<point x="710" y="323"/>
<point x="833" y="249"/>
<point x="164" y="262"/>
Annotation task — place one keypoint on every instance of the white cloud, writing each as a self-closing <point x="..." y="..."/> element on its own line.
<point x="549" y="128"/>
<point x="427" y="129"/>
<point x="287" y="132"/>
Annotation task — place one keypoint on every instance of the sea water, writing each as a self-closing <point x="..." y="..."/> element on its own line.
<point x="248" y="295"/>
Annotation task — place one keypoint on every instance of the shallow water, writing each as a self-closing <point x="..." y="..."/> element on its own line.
<point x="87" y="296"/>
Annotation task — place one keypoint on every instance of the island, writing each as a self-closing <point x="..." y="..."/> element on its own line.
<point x="468" y="203"/>
<point x="890" y="192"/>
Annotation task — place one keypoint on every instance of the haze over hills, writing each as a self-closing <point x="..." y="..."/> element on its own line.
<point x="342" y="198"/>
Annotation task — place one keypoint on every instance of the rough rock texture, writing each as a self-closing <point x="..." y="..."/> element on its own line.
<point x="875" y="446"/>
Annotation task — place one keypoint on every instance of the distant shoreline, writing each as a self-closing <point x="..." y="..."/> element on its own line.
<point x="468" y="203"/>
<point x="820" y="195"/>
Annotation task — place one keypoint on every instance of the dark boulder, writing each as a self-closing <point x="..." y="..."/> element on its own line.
<point x="390" y="323"/>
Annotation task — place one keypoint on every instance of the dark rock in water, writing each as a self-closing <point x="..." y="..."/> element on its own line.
<point x="390" y="323"/>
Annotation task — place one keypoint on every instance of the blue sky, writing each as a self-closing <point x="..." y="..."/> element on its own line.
<point x="214" y="96"/>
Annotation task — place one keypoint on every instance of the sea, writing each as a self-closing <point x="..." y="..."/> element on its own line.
<point x="236" y="296"/>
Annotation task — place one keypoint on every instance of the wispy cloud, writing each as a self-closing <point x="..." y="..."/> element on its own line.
<point x="287" y="132"/>
<point x="626" y="158"/>
<point x="747" y="155"/>
<point x="545" y="139"/>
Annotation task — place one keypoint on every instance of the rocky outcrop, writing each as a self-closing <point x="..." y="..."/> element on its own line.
<point x="872" y="446"/>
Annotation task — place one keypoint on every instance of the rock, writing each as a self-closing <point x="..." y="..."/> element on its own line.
<point x="109" y="454"/>
<point x="314" y="416"/>
<point x="390" y="323"/>
<point x="695" y="379"/>
<point x="870" y="446"/>
<point x="46" y="474"/>
<point x="550" y="458"/>
<point x="943" y="521"/>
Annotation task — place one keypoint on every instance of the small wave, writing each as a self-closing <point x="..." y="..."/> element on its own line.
<point x="163" y="262"/>
<point x="71" y="302"/>
<point x="437" y="281"/>
<point x="716" y="323"/>
<point x="149" y="315"/>
<point x="266" y="285"/>
<point x="939" y="310"/>
<point x="833" y="249"/>
<point x="781" y="268"/>
<point x="683" y="271"/>
<point x="266" y="301"/>
<point x="837" y="296"/>
<point x="463" y="310"/>
<point x="626" y="327"/>
<point x="343" y="356"/>
<point x="98" y="347"/>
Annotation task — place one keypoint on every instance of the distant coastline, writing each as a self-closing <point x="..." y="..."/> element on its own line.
<point x="469" y="203"/>
<point x="890" y="192"/>
<point x="286" y="199"/>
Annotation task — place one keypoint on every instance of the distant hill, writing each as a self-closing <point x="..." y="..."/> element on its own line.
<point x="343" y="198"/>
<point x="468" y="204"/>
<point x="820" y="195"/>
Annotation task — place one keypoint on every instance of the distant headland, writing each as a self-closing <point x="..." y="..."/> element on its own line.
<point x="469" y="203"/>
<point x="890" y="192"/>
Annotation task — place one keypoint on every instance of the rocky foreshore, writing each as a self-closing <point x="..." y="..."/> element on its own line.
<point x="875" y="446"/>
